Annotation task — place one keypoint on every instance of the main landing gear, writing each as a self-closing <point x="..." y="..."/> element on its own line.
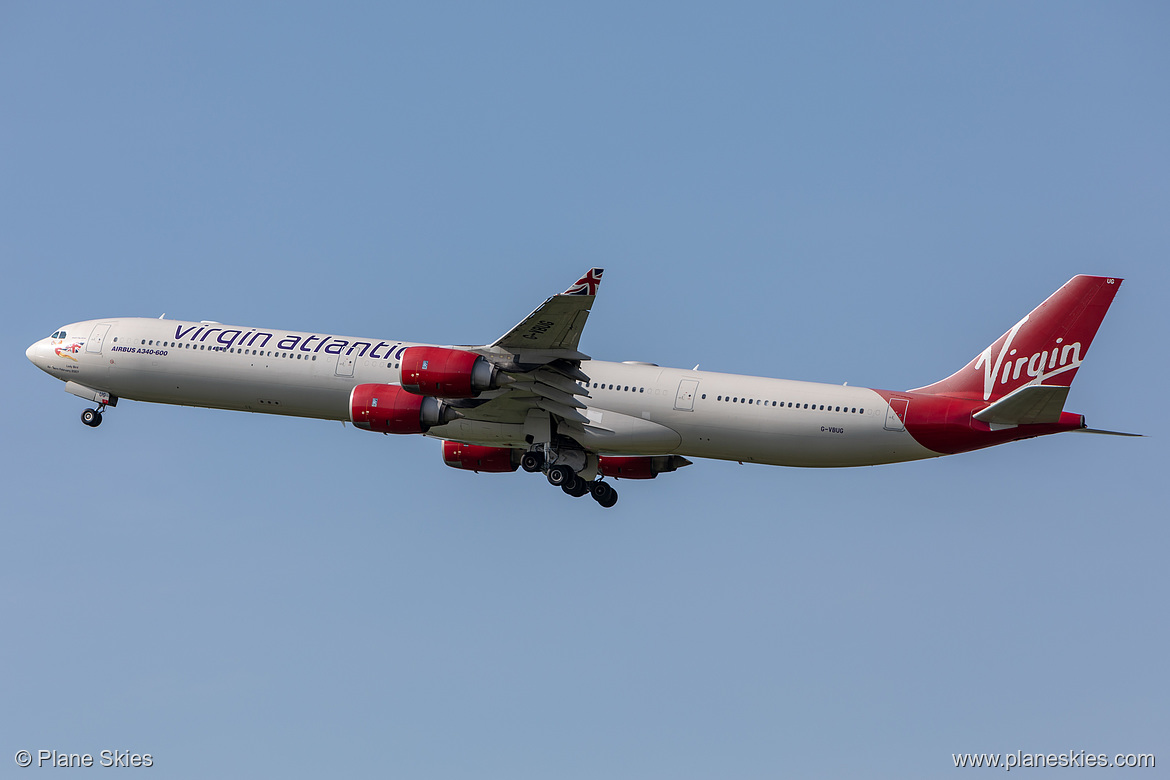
<point x="568" y="480"/>
<point x="92" y="417"/>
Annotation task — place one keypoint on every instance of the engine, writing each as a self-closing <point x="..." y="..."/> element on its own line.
<point x="639" y="467"/>
<point x="475" y="457"/>
<point x="390" y="409"/>
<point x="446" y="373"/>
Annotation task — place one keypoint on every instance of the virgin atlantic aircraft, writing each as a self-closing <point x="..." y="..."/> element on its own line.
<point x="532" y="400"/>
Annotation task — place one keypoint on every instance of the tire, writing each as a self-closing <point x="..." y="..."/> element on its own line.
<point x="603" y="493"/>
<point x="559" y="475"/>
<point x="577" y="488"/>
<point x="91" y="418"/>
<point x="531" y="462"/>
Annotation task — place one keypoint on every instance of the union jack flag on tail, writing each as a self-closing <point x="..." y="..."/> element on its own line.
<point x="587" y="284"/>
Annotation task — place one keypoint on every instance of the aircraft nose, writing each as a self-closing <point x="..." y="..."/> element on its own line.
<point x="32" y="352"/>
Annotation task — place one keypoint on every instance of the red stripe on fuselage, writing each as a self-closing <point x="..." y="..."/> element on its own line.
<point x="945" y="425"/>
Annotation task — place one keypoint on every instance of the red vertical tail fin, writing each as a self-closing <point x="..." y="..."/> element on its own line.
<point x="1045" y="348"/>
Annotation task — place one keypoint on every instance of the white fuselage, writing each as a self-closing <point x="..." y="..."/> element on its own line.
<point x="637" y="409"/>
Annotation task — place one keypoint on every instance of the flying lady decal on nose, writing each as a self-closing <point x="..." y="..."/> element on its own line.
<point x="69" y="351"/>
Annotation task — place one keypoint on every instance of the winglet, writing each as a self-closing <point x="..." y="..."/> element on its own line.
<point x="587" y="284"/>
<point x="553" y="330"/>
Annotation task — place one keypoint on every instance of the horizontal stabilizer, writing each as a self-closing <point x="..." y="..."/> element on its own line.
<point x="1028" y="405"/>
<point x="1107" y="433"/>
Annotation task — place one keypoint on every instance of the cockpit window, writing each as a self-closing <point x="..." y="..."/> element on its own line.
<point x="56" y="335"/>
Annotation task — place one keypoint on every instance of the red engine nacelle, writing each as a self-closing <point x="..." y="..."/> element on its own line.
<point x="639" y="467"/>
<point x="475" y="457"/>
<point x="446" y="373"/>
<point x="390" y="409"/>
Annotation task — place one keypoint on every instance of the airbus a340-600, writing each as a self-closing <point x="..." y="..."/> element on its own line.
<point x="532" y="400"/>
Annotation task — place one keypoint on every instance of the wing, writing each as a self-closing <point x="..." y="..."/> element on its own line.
<point x="542" y="365"/>
<point x="553" y="330"/>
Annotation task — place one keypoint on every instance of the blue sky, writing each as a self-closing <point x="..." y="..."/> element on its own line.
<point x="836" y="192"/>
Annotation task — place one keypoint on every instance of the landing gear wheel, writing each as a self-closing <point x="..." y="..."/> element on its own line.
<point x="577" y="488"/>
<point x="559" y="475"/>
<point x="531" y="462"/>
<point x="603" y="493"/>
<point x="91" y="417"/>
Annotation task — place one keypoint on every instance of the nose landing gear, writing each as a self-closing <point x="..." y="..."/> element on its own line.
<point x="92" y="417"/>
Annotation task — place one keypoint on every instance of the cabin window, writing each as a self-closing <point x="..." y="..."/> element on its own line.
<point x="837" y="409"/>
<point x="144" y="342"/>
<point x="704" y="396"/>
<point x="749" y="401"/>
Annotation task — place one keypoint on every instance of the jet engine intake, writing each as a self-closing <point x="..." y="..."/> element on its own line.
<point x="639" y="467"/>
<point x="476" y="457"/>
<point x="446" y="373"/>
<point x="390" y="409"/>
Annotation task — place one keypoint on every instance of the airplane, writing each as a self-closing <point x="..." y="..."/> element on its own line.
<point x="531" y="400"/>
